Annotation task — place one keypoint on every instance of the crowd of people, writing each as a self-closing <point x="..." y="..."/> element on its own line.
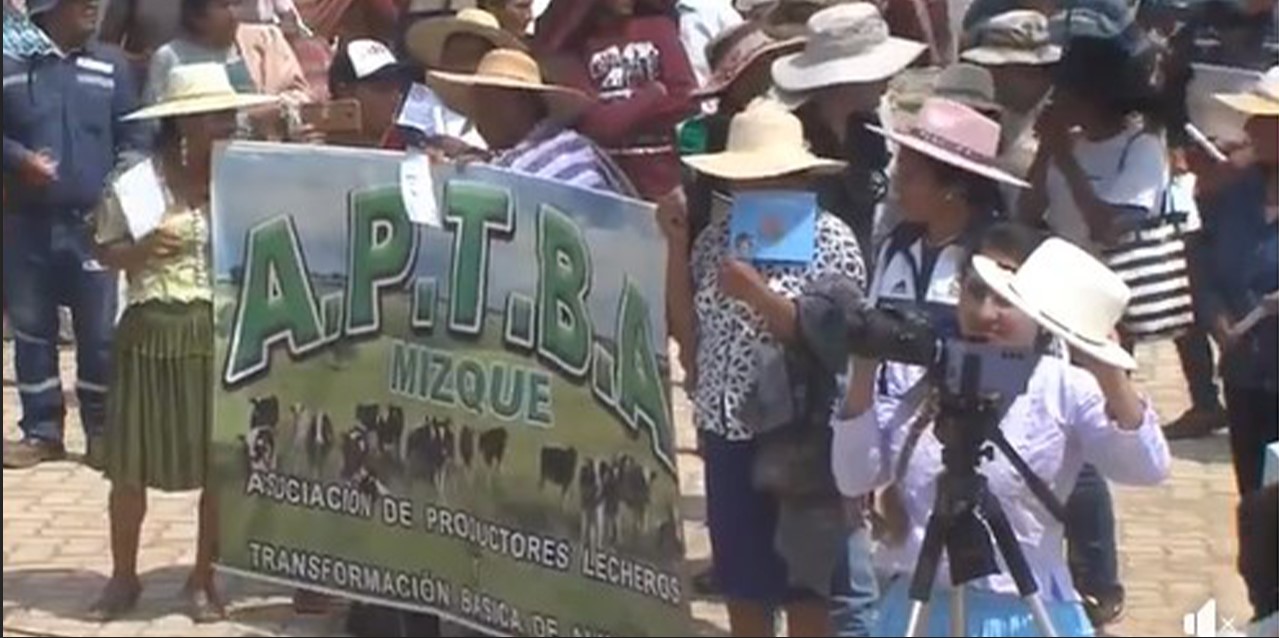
<point x="1049" y="193"/>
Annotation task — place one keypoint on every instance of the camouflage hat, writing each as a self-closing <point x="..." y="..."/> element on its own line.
<point x="1015" y="37"/>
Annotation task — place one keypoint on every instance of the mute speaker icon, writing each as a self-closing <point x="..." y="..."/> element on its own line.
<point x="1202" y="623"/>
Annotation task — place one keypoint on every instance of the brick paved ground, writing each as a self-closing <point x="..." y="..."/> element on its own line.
<point x="1177" y="542"/>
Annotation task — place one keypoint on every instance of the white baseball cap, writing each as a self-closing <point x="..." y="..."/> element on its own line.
<point x="369" y="57"/>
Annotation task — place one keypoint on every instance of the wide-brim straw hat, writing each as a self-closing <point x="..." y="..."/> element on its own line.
<point x="846" y="44"/>
<point x="1069" y="293"/>
<point x="507" y="69"/>
<point x="199" y="88"/>
<point x="1014" y="37"/>
<point x="1261" y="101"/>
<point x="733" y="52"/>
<point x="425" y="39"/>
<point x="764" y="140"/>
<point x="958" y="135"/>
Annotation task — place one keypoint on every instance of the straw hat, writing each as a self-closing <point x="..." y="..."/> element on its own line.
<point x="1262" y="100"/>
<point x="969" y="85"/>
<point x="735" y="50"/>
<point x="1067" y="292"/>
<point x="199" y="88"/>
<point x="1015" y="37"/>
<point x="956" y="134"/>
<point x="425" y="39"/>
<point x="764" y="140"/>
<point x="507" y="69"/>
<point x="847" y="44"/>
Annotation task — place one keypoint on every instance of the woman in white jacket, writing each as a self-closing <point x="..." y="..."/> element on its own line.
<point x="1067" y="416"/>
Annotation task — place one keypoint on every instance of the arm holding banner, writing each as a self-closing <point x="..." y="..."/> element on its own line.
<point x="680" y="314"/>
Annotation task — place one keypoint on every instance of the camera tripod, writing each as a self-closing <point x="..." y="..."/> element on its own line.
<point x="966" y="515"/>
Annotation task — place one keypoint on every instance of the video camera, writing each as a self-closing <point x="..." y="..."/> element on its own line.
<point x="959" y="367"/>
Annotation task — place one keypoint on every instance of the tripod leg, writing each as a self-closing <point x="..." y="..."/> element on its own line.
<point x="1018" y="568"/>
<point x="1042" y="620"/>
<point x="921" y="584"/>
<point x="958" y="619"/>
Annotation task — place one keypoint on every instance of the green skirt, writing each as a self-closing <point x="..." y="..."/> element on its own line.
<point x="160" y="402"/>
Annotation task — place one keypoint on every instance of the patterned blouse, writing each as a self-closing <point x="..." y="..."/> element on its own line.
<point x="183" y="278"/>
<point x="729" y="331"/>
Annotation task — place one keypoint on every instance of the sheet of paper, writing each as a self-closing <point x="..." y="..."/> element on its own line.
<point x="418" y="190"/>
<point x="141" y="198"/>
<point x="419" y="109"/>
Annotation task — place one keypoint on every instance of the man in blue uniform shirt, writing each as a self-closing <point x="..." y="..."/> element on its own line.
<point x="62" y="137"/>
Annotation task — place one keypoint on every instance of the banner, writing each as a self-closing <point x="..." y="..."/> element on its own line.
<point x="472" y="419"/>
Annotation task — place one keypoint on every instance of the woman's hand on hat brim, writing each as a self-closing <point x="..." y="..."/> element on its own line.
<point x="1091" y="363"/>
<point x="1123" y="403"/>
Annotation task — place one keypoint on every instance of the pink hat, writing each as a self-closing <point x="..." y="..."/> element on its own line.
<point x="958" y="135"/>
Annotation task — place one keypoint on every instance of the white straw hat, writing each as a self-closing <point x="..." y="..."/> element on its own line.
<point x="199" y="88"/>
<point x="507" y="69"/>
<point x="1262" y="100"/>
<point x="425" y="39"/>
<point x="956" y="134"/>
<point x="1069" y="293"/>
<point x="847" y="44"/>
<point x="764" y="140"/>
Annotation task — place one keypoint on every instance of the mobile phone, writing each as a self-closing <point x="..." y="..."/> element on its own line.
<point x="336" y="116"/>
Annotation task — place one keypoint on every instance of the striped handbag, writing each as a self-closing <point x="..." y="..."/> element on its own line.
<point x="1151" y="259"/>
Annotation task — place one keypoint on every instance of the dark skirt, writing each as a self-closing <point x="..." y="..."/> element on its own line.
<point x="743" y="528"/>
<point x="160" y="402"/>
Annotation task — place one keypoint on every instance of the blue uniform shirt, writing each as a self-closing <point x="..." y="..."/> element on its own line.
<point x="72" y="106"/>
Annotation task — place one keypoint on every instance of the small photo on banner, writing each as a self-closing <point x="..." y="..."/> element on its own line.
<point x="774" y="226"/>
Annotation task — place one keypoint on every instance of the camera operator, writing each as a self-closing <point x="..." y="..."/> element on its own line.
<point x="1066" y="417"/>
